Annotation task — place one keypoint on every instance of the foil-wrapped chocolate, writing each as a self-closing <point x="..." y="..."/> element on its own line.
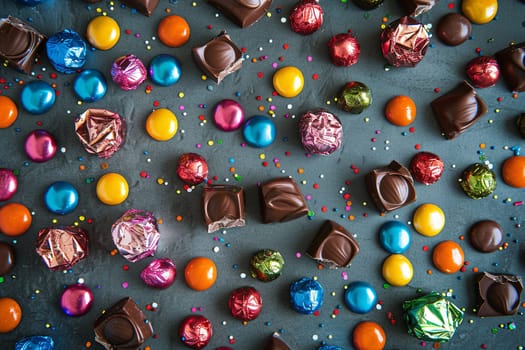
<point x="128" y="72"/>
<point x="333" y="246"/>
<point x="66" y="51"/>
<point x="512" y="64"/>
<point x="192" y="168"/>
<point x="266" y="265"/>
<point x="426" y="167"/>
<point x="306" y="17"/>
<point x="160" y="273"/>
<point x="245" y="303"/>
<point x="499" y="295"/>
<point x="281" y="200"/>
<point x="478" y="181"/>
<point x="145" y="7"/>
<point x="321" y="132"/>
<point x="483" y="71"/>
<point x="100" y="132"/>
<point x="195" y="331"/>
<point x="62" y="247"/>
<point x="354" y="97"/>
<point x="344" y="49"/>
<point x="306" y="295"/>
<point x="223" y="207"/>
<point x="136" y="234"/>
<point x="35" y="342"/>
<point x="417" y="7"/>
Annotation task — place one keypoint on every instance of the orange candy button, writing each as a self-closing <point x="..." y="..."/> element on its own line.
<point x="173" y="31"/>
<point x="8" y="112"/>
<point x="448" y="257"/>
<point x="200" y="273"/>
<point x="513" y="171"/>
<point x="15" y="219"/>
<point x="400" y="110"/>
<point x="10" y="314"/>
<point x="368" y="335"/>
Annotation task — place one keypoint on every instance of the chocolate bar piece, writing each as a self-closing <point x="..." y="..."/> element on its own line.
<point x="19" y="43"/>
<point x="499" y="294"/>
<point x="281" y="200"/>
<point x="416" y="7"/>
<point x="512" y="65"/>
<point x="219" y="57"/>
<point x="145" y="7"/>
<point x="275" y="342"/>
<point x="333" y="246"/>
<point x="223" y="207"/>
<point x="242" y="12"/>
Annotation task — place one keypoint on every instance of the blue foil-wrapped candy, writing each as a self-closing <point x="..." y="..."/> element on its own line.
<point x="36" y="342"/>
<point x="329" y="347"/>
<point x="306" y="295"/>
<point x="66" y="51"/>
<point x="29" y="2"/>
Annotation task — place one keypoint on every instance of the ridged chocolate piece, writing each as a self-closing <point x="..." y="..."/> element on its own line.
<point x="417" y="7"/>
<point x="281" y="200"/>
<point x="243" y="12"/>
<point x="391" y="187"/>
<point x="499" y="294"/>
<point x="458" y="109"/>
<point x="333" y="246"/>
<point x="19" y="43"/>
<point x="123" y="326"/>
<point x="486" y="236"/>
<point x="275" y="342"/>
<point x="145" y="7"/>
<point x="512" y="65"/>
<point x="223" y="207"/>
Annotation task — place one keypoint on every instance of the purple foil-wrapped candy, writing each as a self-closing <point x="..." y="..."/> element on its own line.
<point x="136" y="234"/>
<point x="160" y="273"/>
<point x="62" y="247"/>
<point x="321" y="132"/>
<point x="128" y="72"/>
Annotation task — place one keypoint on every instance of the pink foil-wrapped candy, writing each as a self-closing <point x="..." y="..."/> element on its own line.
<point x="160" y="273"/>
<point x="128" y="72"/>
<point x="321" y="132"/>
<point x="136" y="234"/>
<point x="62" y="247"/>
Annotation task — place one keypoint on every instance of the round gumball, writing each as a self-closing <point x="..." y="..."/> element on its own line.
<point x="10" y="314"/>
<point x="288" y="81"/>
<point x="173" y="31"/>
<point x="368" y="335"/>
<point x="479" y="11"/>
<point x="61" y="198"/>
<point x="103" y="32"/>
<point x="245" y="303"/>
<point x="200" y="273"/>
<point x="165" y="70"/>
<point x="112" y="189"/>
<point x="360" y="297"/>
<point x="428" y="219"/>
<point x="76" y="300"/>
<point x="228" y="115"/>
<point x="513" y="171"/>
<point x="397" y="270"/>
<point x="160" y="273"/>
<point x="394" y="237"/>
<point x="40" y="146"/>
<point x="400" y="110"/>
<point x="259" y="131"/>
<point x="8" y="112"/>
<point x="37" y="97"/>
<point x="8" y="184"/>
<point x="448" y="257"/>
<point x="15" y="219"/>
<point x="90" y="85"/>
<point x="162" y="124"/>
<point x="192" y="168"/>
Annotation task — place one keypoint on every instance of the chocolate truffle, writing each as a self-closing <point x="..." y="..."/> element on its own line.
<point x="123" y="326"/>
<point x="453" y="29"/>
<point x="344" y="49"/>
<point x="306" y="295"/>
<point x="417" y="7"/>
<point x="499" y="294"/>
<point x="281" y="200"/>
<point x="62" y="247"/>
<point x="512" y="65"/>
<point x="391" y="187"/>
<point x="143" y="6"/>
<point x="333" y="246"/>
<point x="354" y="97"/>
<point x="276" y="342"/>
<point x="7" y="258"/>
<point x="458" y="110"/>
<point x="486" y="236"/>
<point x="321" y="132"/>
<point x="218" y="58"/>
<point x="223" y="207"/>
<point x="243" y="12"/>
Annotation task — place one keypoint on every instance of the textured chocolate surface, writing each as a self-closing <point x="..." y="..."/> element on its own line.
<point x="499" y="294"/>
<point x="243" y="12"/>
<point x="333" y="246"/>
<point x="512" y="64"/>
<point x="453" y="29"/>
<point x="281" y="200"/>
<point x="404" y="42"/>
<point x="223" y="207"/>
<point x="417" y="7"/>
<point x="144" y="6"/>
<point x="275" y="342"/>
<point x="486" y="236"/>
<point x="7" y="258"/>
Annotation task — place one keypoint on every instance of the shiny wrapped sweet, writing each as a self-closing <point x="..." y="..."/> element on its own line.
<point x="266" y="265"/>
<point x="404" y="42"/>
<point x="368" y="4"/>
<point x="355" y="97"/>
<point x="306" y="296"/>
<point x="306" y="17"/>
<point x="100" y="132"/>
<point x="344" y="49"/>
<point x="66" y="51"/>
<point x="321" y="132"/>
<point x="8" y="184"/>
<point x="478" y="181"/>
<point x="36" y="342"/>
<point x="76" y="300"/>
<point x="432" y="317"/>
<point x="128" y="72"/>
<point x="426" y="167"/>
<point x="192" y="168"/>
<point x="136" y="234"/>
<point x="245" y="303"/>
<point x="160" y="273"/>
<point x="62" y="247"/>
<point x="520" y="123"/>
<point x="195" y="331"/>
<point x="483" y="71"/>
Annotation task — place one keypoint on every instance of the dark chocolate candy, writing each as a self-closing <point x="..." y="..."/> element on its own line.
<point x="453" y="29"/>
<point x="520" y="123"/>
<point x="219" y="57"/>
<point x="281" y="200"/>
<point x="416" y="7"/>
<point x="499" y="294"/>
<point x="368" y="4"/>
<point x="391" y="187"/>
<point x="123" y="326"/>
<point x="19" y="43"/>
<point x="458" y="109"/>
<point x="7" y="258"/>
<point x="512" y="65"/>
<point x="143" y="6"/>
<point x="486" y="236"/>
<point x="333" y="246"/>
<point x="242" y="12"/>
<point x="223" y="207"/>
<point x="275" y="342"/>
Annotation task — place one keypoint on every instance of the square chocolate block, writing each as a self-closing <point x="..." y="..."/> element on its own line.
<point x="512" y="65"/>
<point x="145" y="7"/>
<point x="223" y="207"/>
<point x="333" y="246"/>
<point x="391" y="187"/>
<point x="500" y="295"/>
<point x="219" y="57"/>
<point x="242" y="12"/>
<point x="281" y="200"/>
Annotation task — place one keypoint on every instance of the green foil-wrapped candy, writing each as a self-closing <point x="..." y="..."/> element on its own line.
<point x="368" y="4"/>
<point x="478" y="181"/>
<point x="520" y="123"/>
<point x="355" y="97"/>
<point x="432" y="317"/>
<point x="266" y="265"/>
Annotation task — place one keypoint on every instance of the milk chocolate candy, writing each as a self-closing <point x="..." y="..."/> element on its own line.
<point x="416" y="7"/>
<point x="499" y="294"/>
<point x="242" y="12"/>
<point x="281" y="200"/>
<point x="333" y="246"/>
<point x="223" y="207"/>
<point x="453" y="29"/>
<point x="486" y="236"/>
<point x="512" y="65"/>
<point x="275" y="342"/>
<point x="7" y="258"/>
<point x="145" y="7"/>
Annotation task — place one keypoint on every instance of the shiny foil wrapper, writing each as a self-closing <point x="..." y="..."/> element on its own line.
<point x="128" y="72"/>
<point x="192" y="168"/>
<point x="478" y="181"/>
<point x="195" y="331"/>
<point x="62" y="247"/>
<point x="483" y="71"/>
<point x="100" y="132"/>
<point x="160" y="273"/>
<point x="66" y="51"/>
<point x="404" y="42"/>
<point x="36" y="342"/>
<point x="426" y="167"/>
<point x="432" y="317"/>
<point x="321" y="132"/>
<point x="306" y="17"/>
<point x="136" y="234"/>
<point x="355" y="97"/>
<point x="344" y="49"/>
<point x="266" y="265"/>
<point x="245" y="303"/>
<point x="306" y="296"/>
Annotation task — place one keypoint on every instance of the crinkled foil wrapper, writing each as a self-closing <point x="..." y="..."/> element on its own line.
<point x="478" y="181"/>
<point x="321" y="132"/>
<point x="404" y="42"/>
<point x="266" y="265"/>
<point x="35" y="342"/>
<point x="66" y="51"/>
<point x="128" y="72"/>
<point x="245" y="303"/>
<point x="63" y="247"/>
<point x="196" y="331"/>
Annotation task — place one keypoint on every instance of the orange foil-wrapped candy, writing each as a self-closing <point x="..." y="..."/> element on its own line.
<point x="62" y="247"/>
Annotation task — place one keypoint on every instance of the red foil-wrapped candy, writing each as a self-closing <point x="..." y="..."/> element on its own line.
<point x="245" y="303"/>
<point x="306" y="17"/>
<point x="192" y="168"/>
<point x="195" y="331"/>
<point x="404" y="42"/>
<point x="483" y="71"/>
<point x="160" y="273"/>
<point x="128" y="72"/>
<point x="344" y="49"/>
<point x="62" y="247"/>
<point x="426" y="167"/>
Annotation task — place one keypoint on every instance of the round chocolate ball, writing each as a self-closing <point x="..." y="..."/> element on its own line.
<point x="453" y="29"/>
<point x="266" y="265"/>
<point x="486" y="236"/>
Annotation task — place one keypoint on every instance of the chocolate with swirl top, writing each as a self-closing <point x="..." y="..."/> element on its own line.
<point x="512" y="65"/>
<point x="281" y="200"/>
<point x="145" y="7"/>
<point x="223" y="207"/>
<point x="243" y="12"/>
<point x="333" y="246"/>
<point x="499" y="294"/>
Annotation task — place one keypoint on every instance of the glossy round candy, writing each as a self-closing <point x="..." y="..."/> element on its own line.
<point x="486" y="236"/>
<point x="103" y="32"/>
<point x="192" y="168"/>
<point x="37" y="97"/>
<point x="112" y="189"/>
<point x="355" y="97"/>
<point x="15" y="219"/>
<point x="160" y="273"/>
<point x="61" y="198"/>
<point x="394" y="237"/>
<point x="165" y="70"/>
<point x="453" y="29"/>
<point x="10" y="314"/>
<point x="90" y="85"/>
<point x="162" y="124"/>
<point x="288" y="81"/>
<point x="76" y="300"/>
<point x="200" y="273"/>
<point x="428" y="219"/>
<point x="40" y="146"/>
<point x="360" y="297"/>
<point x="400" y="110"/>
<point x="448" y="257"/>
<point x="195" y="331"/>
<point x="173" y="31"/>
<point x="483" y="71"/>
<point x="397" y="270"/>
<point x="228" y="115"/>
<point x="8" y="112"/>
<point x="513" y="171"/>
<point x="368" y="335"/>
<point x="306" y="17"/>
<point x="259" y="131"/>
<point x="480" y="11"/>
<point x="344" y="49"/>
<point x="8" y="184"/>
<point x="128" y="72"/>
<point x="306" y="295"/>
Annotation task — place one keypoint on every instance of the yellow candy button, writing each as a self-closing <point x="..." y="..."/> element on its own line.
<point x="103" y="32"/>
<point x="397" y="270"/>
<point x="112" y="189"/>
<point x="162" y="124"/>
<point x="288" y="81"/>
<point x="428" y="219"/>
<point x="480" y="11"/>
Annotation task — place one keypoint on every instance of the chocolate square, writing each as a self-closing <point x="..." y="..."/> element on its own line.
<point x="416" y="7"/>
<point x="242" y="12"/>
<point x="333" y="246"/>
<point x="19" y="43"/>
<point x="145" y="7"/>
<point x="512" y="65"/>
<point x="281" y="200"/>
<point x="223" y="207"/>
<point x="499" y="294"/>
<point x="219" y="57"/>
<point x="391" y="187"/>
